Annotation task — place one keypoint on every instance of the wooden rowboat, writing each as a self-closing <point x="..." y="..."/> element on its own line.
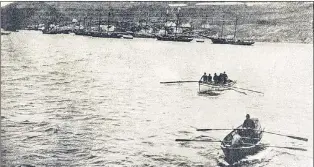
<point x="210" y="86"/>
<point x="249" y="146"/>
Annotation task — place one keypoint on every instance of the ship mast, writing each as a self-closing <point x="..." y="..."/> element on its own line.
<point x="108" y="20"/>
<point x="222" y="26"/>
<point x="146" y="20"/>
<point x="84" y="23"/>
<point x="99" y="21"/>
<point x="235" y="28"/>
<point x="177" y="22"/>
<point x="166" y="22"/>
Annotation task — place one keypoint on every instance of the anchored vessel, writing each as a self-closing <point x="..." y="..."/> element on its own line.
<point x="175" y="36"/>
<point x="234" y="41"/>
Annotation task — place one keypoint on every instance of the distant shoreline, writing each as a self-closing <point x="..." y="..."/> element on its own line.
<point x="256" y="41"/>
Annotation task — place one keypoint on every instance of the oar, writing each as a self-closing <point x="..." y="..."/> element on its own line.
<point x="290" y="136"/>
<point x="208" y="140"/>
<point x="248" y="90"/>
<point x="238" y="91"/>
<point x="176" y="82"/>
<point x="293" y="137"/>
<point x="291" y="148"/>
<point x="216" y="129"/>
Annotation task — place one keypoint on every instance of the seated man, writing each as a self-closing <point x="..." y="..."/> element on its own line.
<point x="250" y="126"/>
<point x="236" y="141"/>
<point x="204" y="77"/>
<point x="209" y="78"/>
<point x="225" y="76"/>
<point x="215" y="78"/>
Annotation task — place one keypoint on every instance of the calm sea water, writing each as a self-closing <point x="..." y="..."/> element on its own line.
<point x="70" y="100"/>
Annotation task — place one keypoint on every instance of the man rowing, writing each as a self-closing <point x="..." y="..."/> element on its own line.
<point x="204" y="77"/>
<point x="215" y="78"/>
<point x="225" y="77"/>
<point x="221" y="78"/>
<point x="248" y="122"/>
<point x="249" y="126"/>
<point x="209" y="78"/>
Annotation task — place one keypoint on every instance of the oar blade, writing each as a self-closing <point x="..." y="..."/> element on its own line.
<point x="295" y="148"/>
<point x="290" y="148"/>
<point x="290" y="136"/>
<point x="298" y="138"/>
<point x="182" y="140"/>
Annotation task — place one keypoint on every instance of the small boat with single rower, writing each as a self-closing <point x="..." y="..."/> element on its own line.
<point x="250" y="145"/>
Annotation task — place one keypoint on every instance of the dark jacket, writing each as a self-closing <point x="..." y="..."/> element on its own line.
<point x="209" y="78"/>
<point x="215" y="78"/>
<point x="204" y="77"/>
<point x="248" y="123"/>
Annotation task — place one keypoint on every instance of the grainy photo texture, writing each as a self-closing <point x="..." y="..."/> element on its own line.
<point x="140" y="83"/>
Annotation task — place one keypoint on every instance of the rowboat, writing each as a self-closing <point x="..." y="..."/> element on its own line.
<point x="5" y="33"/>
<point x="249" y="145"/>
<point x="211" y="86"/>
<point x="127" y="36"/>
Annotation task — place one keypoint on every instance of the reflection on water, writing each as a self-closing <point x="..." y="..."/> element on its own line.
<point x="81" y="101"/>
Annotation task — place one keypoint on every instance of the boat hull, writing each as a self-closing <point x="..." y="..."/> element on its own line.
<point x="233" y="155"/>
<point x="231" y="41"/>
<point x="49" y="32"/>
<point x="106" y="35"/>
<point x="5" y="33"/>
<point x="244" y="43"/>
<point x="82" y="33"/>
<point x="143" y="36"/>
<point x="221" y="41"/>
<point x="174" y="38"/>
<point x="127" y="36"/>
<point x="211" y="87"/>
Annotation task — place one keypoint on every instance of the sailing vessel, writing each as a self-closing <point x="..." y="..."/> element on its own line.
<point x="234" y="41"/>
<point x="144" y="34"/>
<point x="107" y="34"/>
<point x="174" y="37"/>
<point x="49" y="30"/>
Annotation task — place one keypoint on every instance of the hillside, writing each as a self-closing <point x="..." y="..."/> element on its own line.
<point x="273" y="22"/>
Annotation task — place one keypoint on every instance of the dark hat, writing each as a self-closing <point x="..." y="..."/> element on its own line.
<point x="247" y="115"/>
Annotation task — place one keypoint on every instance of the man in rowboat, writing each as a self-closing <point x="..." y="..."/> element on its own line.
<point x="249" y="126"/>
<point x="204" y="77"/>
<point x="215" y="78"/>
<point x="225" y="76"/>
<point x="209" y="78"/>
<point x="236" y="140"/>
<point x="221" y="78"/>
<point x="248" y="123"/>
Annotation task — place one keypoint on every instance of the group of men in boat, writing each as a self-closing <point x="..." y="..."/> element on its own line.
<point x="222" y="78"/>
